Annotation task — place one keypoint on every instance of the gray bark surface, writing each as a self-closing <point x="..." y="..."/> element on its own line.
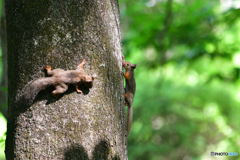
<point x="61" y="34"/>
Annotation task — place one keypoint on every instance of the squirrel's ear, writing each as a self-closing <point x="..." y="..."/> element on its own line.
<point x="134" y="66"/>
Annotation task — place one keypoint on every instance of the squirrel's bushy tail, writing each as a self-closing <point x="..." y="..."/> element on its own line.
<point x="32" y="89"/>
<point x="129" y="119"/>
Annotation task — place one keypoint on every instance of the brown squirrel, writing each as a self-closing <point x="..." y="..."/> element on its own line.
<point x="129" y="89"/>
<point x="60" y="79"/>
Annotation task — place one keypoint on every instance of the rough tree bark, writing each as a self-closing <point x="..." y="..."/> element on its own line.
<point x="61" y="34"/>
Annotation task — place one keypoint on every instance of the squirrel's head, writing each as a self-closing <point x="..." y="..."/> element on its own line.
<point x="129" y="66"/>
<point x="89" y="82"/>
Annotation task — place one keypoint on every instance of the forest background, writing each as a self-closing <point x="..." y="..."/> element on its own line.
<point x="187" y="101"/>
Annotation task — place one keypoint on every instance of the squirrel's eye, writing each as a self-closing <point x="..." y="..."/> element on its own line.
<point x="128" y="64"/>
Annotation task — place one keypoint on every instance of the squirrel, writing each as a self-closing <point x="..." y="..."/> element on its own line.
<point x="60" y="79"/>
<point x="129" y="89"/>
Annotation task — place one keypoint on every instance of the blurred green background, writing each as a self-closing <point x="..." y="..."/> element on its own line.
<point x="187" y="101"/>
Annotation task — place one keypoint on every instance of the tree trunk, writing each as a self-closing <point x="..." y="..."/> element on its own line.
<point x="61" y="34"/>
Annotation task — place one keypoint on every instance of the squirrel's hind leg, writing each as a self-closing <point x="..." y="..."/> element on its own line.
<point x="61" y="88"/>
<point x="128" y="99"/>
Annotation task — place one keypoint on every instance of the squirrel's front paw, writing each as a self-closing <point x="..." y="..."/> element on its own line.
<point x="79" y="91"/>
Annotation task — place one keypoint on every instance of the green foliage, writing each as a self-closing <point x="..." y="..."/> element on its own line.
<point x="187" y="75"/>
<point x="0" y="65"/>
<point x="3" y="124"/>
